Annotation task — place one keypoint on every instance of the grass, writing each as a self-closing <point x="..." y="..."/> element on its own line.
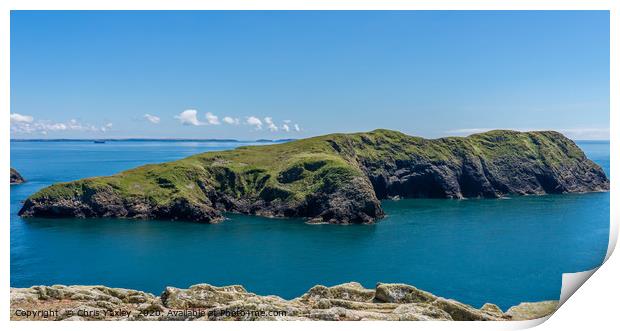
<point x="294" y="170"/>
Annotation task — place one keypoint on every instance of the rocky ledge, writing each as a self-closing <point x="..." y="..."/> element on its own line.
<point x="336" y="178"/>
<point x="345" y="302"/>
<point x="16" y="178"/>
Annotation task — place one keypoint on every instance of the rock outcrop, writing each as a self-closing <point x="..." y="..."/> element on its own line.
<point x="337" y="178"/>
<point x="16" y="178"/>
<point x="345" y="302"/>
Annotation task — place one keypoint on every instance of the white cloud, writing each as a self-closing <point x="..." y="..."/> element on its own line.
<point x="75" y="125"/>
<point x="288" y="126"/>
<point x="230" y="120"/>
<point x="255" y="122"/>
<point x="152" y="118"/>
<point x="23" y="124"/>
<point x="54" y="127"/>
<point x="189" y="117"/>
<point x="19" y="118"/>
<point x="212" y="119"/>
<point x="270" y="125"/>
<point x="106" y="127"/>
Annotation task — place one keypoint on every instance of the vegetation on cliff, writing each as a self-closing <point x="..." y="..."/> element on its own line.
<point x="336" y="178"/>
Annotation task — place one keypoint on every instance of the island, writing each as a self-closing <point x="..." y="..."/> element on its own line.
<point x="204" y="302"/>
<point x="16" y="178"/>
<point x="335" y="178"/>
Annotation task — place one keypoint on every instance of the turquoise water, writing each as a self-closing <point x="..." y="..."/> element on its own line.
<point x="503" y="251"/>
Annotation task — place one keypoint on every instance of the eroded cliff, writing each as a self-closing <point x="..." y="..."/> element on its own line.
<point x="336" y="178"/>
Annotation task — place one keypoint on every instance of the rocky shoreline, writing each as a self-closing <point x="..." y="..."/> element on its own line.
<point x="345" y="302"/>
<point x="336" y="178"/>
<point x="16" y="178"/>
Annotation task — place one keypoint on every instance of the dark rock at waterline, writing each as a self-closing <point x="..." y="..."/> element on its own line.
<point x="16" y="178"/>
<point x="336" y="178"/>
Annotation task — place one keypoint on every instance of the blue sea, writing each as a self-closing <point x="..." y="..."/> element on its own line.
<point x="503" y="251"/>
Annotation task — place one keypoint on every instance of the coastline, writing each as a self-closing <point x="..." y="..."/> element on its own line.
<point x="203" y="302"/>
<point x="339" y="179"/>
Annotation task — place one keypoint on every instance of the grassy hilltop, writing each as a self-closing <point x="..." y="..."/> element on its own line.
<point x="336" y="178"/>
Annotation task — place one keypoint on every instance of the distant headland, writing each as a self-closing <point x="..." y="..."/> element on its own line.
<point x="157" y="140"/>
<point x="16" y="177"/>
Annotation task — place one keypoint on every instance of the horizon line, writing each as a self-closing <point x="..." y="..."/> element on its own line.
<point x="153" y="139"/>
<point x="207" y="139"/>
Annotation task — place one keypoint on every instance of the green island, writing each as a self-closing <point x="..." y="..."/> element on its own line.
<point x="335" y="178"/>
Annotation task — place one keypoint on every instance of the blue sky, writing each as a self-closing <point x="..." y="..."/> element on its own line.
<point x="252" y="75"/>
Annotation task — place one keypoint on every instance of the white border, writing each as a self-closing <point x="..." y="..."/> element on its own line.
<point x="585" y="312"/>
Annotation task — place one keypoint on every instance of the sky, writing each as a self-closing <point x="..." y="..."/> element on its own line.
<point x="287" y="74"/>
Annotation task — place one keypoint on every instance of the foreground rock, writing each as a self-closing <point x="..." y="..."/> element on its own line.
<point x="337" y="178"/>
<point x="345" y="302"/>
<point x="16" y="178"/>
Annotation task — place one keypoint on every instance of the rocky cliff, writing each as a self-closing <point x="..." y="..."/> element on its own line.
<point x="348" y="302"/>
<point x="16" y="178"/>
<point x="337" y="178"/>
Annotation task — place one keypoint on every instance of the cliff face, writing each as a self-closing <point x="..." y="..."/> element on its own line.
<point x="16" y="178"/>
<point x="337" y="178"/>
<point x="345" y="302"/>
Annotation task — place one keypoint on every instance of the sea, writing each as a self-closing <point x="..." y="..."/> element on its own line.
<point x="503" y="251"/>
